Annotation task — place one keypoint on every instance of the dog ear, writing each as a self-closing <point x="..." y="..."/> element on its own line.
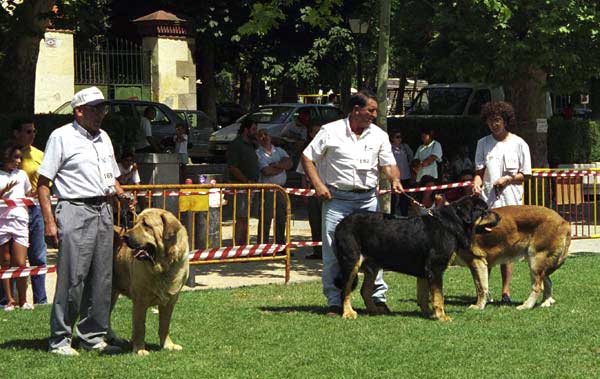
<point x="170" y="226"/>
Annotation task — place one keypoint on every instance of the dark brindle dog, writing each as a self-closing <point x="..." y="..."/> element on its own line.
<point x="417" y="246"/>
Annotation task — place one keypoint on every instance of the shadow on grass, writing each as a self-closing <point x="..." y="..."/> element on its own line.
<point x="39" y="344"/>
<point x="317" y="310"/>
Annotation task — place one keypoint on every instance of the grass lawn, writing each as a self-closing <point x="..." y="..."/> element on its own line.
<point x="279" y="331"/>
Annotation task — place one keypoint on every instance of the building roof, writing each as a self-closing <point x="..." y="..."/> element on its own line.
<point x="159" y="16"/>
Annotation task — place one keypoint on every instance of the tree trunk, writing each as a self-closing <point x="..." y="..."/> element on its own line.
<point x="345" y="89"/>
<point x="595" y="98"/>
<point x="208" y="89"/>
<point x="245" y="90"/>
<point x="17" y="71"/>
<point x="399" y="109"/>
<point x="528" y="96"/>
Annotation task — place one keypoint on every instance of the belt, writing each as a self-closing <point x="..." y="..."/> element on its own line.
<point x="96" y="200"/>
<point x="356" y="190"/>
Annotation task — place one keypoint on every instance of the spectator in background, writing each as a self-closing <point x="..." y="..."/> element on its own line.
<point x="145" y="143"/>
<point x="128" y="169"/>
<point x="404" y="155"/>
<point x="181" y="143"/>
<point x="242" y="164"/>
<point x="24" y="132"/>
<point x="314" y="203"/>
<point x="272" y="162"/>
<point x="568" y="112"/>
<point x="293" y="135"/>
<point x="428" y="155"/>
<point x="461" y="163"/>
<point x="502" y="160"/>
<point x="14" y="229"/>
<point x="331" y="99"/>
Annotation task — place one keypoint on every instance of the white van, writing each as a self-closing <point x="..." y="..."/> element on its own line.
<point x="452" y="100"/>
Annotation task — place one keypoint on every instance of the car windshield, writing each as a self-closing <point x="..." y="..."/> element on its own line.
<point x="272" y="115"/>
<point x="441" y="101"/>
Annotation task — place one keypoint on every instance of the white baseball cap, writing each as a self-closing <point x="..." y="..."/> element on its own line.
<point x="89" y="96"/>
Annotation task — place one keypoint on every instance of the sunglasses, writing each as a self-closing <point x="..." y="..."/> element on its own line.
<point x="97" y="108"/>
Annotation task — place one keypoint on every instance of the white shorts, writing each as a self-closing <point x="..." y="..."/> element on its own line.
<point x="15" y="229"/>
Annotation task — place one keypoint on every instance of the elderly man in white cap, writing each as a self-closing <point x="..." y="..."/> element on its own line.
<point x="80" y="161"/>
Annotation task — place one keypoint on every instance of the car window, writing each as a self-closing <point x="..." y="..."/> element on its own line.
<point x="329" y="114"/>
<point x="441" y="101"/>
<point x="124" y="110"/>
<point x="315" y="117"/>
<point x="481" y="97"/>
<point x="271" y="115"/>
<point x="195" y="119"/>
<point x="160" y="117"/>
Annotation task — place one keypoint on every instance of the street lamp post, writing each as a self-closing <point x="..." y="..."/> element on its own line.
<point x="358" y="27"/>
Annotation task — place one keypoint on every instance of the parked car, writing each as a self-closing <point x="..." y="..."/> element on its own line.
<point x="163" y="125"/>
<point x="200" y="127"/>
<point x="273" y="118"/>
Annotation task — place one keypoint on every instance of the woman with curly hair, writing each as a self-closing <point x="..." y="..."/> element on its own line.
<point x="502" y="160"/>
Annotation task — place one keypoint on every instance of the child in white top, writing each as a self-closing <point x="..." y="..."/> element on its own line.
<point x="14" y="184"/>
<point x="181" y="141"/>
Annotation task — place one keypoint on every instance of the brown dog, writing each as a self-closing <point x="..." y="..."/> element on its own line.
<point x="537" y="233"/>
<point x="151" y="267"/>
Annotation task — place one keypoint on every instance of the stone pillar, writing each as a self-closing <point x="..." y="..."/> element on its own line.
<point x="173" y="69"/>
<point x="55" y="71"/>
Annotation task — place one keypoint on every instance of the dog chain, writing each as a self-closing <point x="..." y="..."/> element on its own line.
<point x="414" y="201"/>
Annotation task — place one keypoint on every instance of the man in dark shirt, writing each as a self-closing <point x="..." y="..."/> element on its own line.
<point x="242" y="163"/>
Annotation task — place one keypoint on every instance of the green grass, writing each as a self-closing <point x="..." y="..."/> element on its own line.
<point x="279" y="331"/>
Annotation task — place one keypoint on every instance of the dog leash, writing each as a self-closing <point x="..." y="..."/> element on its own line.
<point x="414" y="201"/>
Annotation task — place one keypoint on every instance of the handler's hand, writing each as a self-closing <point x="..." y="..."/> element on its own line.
<point x="51" y="232"/>
<point x="397" y="186"/>
<point x="323" y="192"/>
<point x="477" y="186"/>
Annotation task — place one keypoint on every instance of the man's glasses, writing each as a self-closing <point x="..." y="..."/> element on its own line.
<point x="97" y="108"/>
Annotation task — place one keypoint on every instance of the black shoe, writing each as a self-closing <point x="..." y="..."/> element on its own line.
<point x="383" y="308"/>
<point x="506" y="300"/>
<point x="334" y="311"/>
<point x="314" y="256"/>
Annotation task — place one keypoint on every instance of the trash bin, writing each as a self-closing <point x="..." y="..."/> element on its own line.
<point x="159" y="169"/>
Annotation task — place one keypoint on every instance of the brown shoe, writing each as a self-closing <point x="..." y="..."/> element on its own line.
<point x="334" y="311"/>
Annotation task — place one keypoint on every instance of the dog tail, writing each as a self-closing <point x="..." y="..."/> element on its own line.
<point x="347" y="251"/>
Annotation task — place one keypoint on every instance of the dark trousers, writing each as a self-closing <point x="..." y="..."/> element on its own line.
<point x="267" y="216"/>
<point x="400" y="203"/>
<point x="315" y="205"/>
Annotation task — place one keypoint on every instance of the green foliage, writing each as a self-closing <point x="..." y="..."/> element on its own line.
<point x="573" y="141"/>
<point x="450" y="132"/>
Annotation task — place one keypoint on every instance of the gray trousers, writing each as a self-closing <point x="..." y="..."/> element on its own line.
<point x="84" y="273"/>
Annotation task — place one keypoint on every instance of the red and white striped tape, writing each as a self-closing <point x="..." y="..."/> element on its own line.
<point x="198" y="255"/>
<point x="19" y="272"/>
<point x="565" y="173"/>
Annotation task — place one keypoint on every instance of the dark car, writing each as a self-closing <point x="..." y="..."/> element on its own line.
<point x="200" y="127"/>
<point x="163" y="124"/>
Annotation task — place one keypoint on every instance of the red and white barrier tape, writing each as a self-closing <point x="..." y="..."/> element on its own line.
<point x="565" y="173"/>
<point x="19" y="272"/>
<point x="198" y="255"/>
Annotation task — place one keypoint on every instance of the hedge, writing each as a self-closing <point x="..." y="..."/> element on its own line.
<point x="573" y="141"/>
<point x="122" y="130"/>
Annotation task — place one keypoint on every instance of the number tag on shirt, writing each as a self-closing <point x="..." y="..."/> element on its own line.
<point x="106" y="170"/>
<point x="364" y="161"/>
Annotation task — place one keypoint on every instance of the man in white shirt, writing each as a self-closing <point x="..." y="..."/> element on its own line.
<point x="79" y="160"/>
<point x="349" y="152"/>
<point x="502" y="160"/>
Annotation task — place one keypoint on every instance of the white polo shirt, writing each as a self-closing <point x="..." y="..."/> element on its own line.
<point x="79" y="165"/>
<point x="265" y="159"/>
<point x="347" y="161"/>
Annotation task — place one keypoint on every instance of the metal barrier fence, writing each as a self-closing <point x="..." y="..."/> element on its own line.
<point x="215" y="216"/>
<point x="571" y="193"/>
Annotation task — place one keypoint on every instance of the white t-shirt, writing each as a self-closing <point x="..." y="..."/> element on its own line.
<point x="146" y="131"/>
<point x="181" y="147"/>
<point x="265" y="159"/>
<point x="423" y="152"/>
<point x="500" y="158"/>
<point x="17" y="192"/>
<point x="80" y="165"/>
<point x="347" y="161"/>
<point x="134" y="178"/>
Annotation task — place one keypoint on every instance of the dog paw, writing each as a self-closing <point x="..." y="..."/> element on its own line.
<point x="524" y="306"/>
<point x="548" y="302"/>
<point x="351" y="315"/>
<point x="477" y="307"/>
<point x="444" y="318"/>
<point x="173" y="347"/>
<point x="142" y="352"/>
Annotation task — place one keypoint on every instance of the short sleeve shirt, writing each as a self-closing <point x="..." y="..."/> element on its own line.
<point x="347" y="161"/>
<point x="423" y="152"/>
<point x="135" y="175"/>
<point x="79" y="164"/>
<point x="500" y="158"/>
<point x="31" y="161"/>
<point x="242" y="154"/>
<point x="265" y="159"/>
<point x="17" y="192"/>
